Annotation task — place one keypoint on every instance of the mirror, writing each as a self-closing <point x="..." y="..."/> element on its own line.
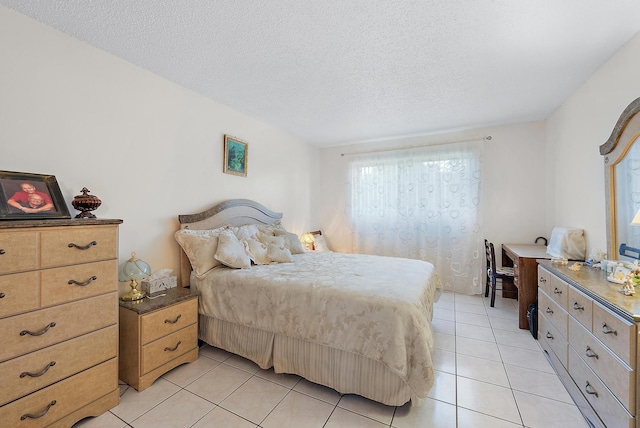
<point x="622" y="185"/>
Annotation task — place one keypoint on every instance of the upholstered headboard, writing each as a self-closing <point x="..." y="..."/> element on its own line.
<point x="233" y="212"/>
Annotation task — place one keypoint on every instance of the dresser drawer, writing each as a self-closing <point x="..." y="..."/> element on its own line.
<point x="548" y="334"/>
<point x="61" y="398"/>
<point x="18" y="293"/>
<point x="618" y="376"/>
<point x="167" y="348"/>
<point x="619" y="335"/>
<point x="581" y="308"/>
<point x="65" y="284"/>
<point x="168" y="320"/>
<point x="73" y="245"/>
<point x="612" y="413"/>
<point x="559" y="291"/>
<point x="55" y="324"/>
<point x="557" y="316"/>
<point x="56" y="362"/>
<point x="544" y="280"/>
<point x="18" y="251"/>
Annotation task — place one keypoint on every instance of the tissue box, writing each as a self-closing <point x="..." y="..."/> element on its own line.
<point x="160" y="284"/>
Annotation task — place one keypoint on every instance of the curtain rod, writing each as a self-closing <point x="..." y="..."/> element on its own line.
<point x="486" y="138"/>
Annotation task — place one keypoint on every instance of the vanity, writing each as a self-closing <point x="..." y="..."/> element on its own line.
<point x="587" y="327"/>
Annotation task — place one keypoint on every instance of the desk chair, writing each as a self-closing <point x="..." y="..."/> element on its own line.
<point x="504" y="274"/>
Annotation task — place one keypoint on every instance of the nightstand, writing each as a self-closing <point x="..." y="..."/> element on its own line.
<point x="157" y="335"/>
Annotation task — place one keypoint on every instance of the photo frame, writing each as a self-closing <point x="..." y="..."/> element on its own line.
<point x="27" y="196"/>
<point x="236" y="153"/>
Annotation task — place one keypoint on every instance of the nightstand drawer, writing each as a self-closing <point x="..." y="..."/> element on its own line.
<point x="70" y="283"/>
<point x="70" y="246"/>
<point x="17" y="251"/>
<point x="18" y="293"/>
<point x="56" y="362"/>
<point x="62" y="398"/>
<point x="166" y="349"/>
<point x="54" y="325"/>
<point x="168" y="320"/>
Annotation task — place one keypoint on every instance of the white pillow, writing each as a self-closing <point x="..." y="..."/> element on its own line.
<point x="293" y="243"/>
<point x="278" y="253"/>
<point x="200" y="246"/>
<point x="248" y="231"/>
<point x="257" y="251"/>
<point x="268" y="239"/>
<point x="320" y="244"/>
<point x="231" y="251"/>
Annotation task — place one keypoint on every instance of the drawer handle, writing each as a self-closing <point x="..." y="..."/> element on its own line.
<point x="549" y="310"/>
<point x="174" y="321"/>
<point x="174" y="348"/>
<point x="556" y="291"/>
<point x="82" y="247"/>
<point x="578" y="307"/>
<point x="38" y="333"/>
<point x="542" y="279"/>
<point x="2" y="295"/>
<point x="46" y="369"/>
<point x="39" y="415"/>
<point x="589" y="389"/>
<point x="608" y="330"/>
<point x="82" y="284"/>
<point x="589" y="353"/>
<point x="549" y="335"/>
<point x="2" y="252"/>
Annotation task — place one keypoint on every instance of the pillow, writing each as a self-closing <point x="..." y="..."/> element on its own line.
<point x="292" y="242"/>
<point x="248" y="231"/>
<point x="320" y="244"/>
<point x="200" y="246"/>
<point x="257" y="251"/>
<point x="231" y="251"/>
<point x="268" y="239"/>
<point x="278" y="253"/>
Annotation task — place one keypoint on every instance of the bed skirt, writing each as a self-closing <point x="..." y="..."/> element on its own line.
<point x="345" y="372"/>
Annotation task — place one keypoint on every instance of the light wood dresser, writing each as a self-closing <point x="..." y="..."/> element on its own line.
<point x="589" y="330"/>
<point x="58" y="321"/>
<point x="157" y="335"/>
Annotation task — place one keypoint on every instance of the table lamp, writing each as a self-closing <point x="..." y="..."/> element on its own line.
<point x="135" y="270"/>
<point x="307" y="240"/>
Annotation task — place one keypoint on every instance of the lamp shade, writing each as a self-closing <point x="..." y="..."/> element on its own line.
<point x="135" y="268"/>
<point x="636" y="219"/>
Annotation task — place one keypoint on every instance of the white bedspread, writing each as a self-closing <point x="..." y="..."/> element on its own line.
<point x="378" y="307"/>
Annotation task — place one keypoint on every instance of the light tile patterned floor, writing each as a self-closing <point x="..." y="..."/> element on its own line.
<point x="488" y="374"/>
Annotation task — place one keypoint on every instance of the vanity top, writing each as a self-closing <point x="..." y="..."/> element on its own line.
<point x="593" y="282"/>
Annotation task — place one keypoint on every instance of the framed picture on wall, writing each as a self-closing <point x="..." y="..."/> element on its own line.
<point x="27" y="196"/>
<point x="236" y="153"/>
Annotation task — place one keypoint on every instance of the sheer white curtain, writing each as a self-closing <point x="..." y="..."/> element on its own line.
<point x="421" y="203"/>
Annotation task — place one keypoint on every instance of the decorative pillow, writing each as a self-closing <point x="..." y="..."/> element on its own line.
<point x="231" y="251"/>
<point x="278" y="253"/>
<point x="272" y="229"/>
<point x="200" y="246"/>
<point x="293" y="243"/>
<point x="320" y="244"/>
<point x="248" y="231"/>
<point x="268" y="239"/>
<point x="257" y="251"/>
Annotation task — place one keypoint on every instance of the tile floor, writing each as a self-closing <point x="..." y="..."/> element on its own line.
<point x="488" y="374"/>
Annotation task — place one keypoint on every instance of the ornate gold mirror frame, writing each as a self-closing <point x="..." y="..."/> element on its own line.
<point x="621" y="157"/>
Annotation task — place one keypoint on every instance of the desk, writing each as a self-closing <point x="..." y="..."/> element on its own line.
<point x="525" y="274"/>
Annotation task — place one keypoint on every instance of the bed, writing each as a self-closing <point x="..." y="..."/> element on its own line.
<point x="359" y="324"/>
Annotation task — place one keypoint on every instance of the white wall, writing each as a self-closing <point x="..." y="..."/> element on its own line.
<point x="514" y="171"/>
<point x="575" y="132"/>
<point x="149" y="149"/>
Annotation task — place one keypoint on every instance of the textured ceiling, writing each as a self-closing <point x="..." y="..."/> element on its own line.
<point x="342" y="71"/>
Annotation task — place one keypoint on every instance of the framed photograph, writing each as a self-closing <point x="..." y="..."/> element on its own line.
<point x="235" y="156"/>
<point x="26" y="196"/>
